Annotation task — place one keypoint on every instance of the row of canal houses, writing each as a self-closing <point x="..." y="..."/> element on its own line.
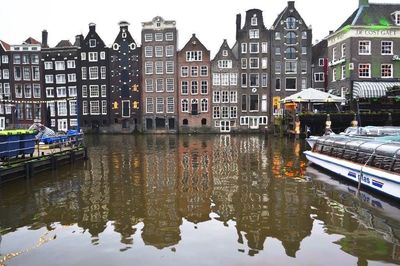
<point x="156" y="87"/>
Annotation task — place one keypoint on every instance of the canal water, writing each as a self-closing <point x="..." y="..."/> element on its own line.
<point x="194" y="200"/>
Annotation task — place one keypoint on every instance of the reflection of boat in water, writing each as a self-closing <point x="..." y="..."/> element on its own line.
<point x="372" y="163"/>
<point x="384" y="133"/>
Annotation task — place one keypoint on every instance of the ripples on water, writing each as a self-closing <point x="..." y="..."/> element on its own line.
<point x="202" y="200"/>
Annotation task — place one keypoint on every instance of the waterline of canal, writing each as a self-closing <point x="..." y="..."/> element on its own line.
<point x="200" y="200"/>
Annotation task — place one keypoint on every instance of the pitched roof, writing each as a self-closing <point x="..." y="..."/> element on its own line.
<point x="5" y="45"/>
<point x="64" y="43"/>
<point x="30" y="40"/>
<point x="372" y="15"/>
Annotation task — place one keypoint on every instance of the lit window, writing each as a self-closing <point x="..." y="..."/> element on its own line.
<point x="364" y="70"/>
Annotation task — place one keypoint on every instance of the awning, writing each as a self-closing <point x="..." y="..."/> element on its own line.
<point x="372" y="89"/>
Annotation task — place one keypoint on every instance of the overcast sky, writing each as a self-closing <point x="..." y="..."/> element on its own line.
<point x="212" y="20"/>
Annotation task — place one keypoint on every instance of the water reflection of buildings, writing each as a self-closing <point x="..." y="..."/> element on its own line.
<point x="195" y="181"/>
<point x="161" y="222"/>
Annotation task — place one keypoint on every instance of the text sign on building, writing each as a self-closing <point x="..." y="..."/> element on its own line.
<point x="363" y="33"/>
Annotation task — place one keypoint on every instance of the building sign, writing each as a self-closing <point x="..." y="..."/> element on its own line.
<point x="365" y="32"/>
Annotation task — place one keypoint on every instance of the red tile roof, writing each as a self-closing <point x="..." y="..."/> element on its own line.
<point x="30" y="40"/>
<point x="5" y="45"/>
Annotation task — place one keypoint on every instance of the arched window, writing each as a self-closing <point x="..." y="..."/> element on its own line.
<point x="185" y="122"/>
<point x="185" y="105"/>
<point x="204" y="105"/>
<point x="290" y="37"/>
<point x="195" y="107"/>
<point x="203" y="122"/>
<point x="290" y="53"/>
<point x="291" y="23"/>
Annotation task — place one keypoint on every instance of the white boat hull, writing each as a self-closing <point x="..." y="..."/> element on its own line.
<point x="379" y="180"/>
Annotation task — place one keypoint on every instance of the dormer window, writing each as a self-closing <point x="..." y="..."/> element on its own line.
<point x="291" y="23"/>
<point x="254" y="20"/>
<point x="397" y="18"/>
<point x="92" y="43"/>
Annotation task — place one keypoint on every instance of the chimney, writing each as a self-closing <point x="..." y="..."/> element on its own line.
<point x="78" y="40"/>
<point x="92" y="26"/>
<point x="290" y="4"/>
<point x="123" y="24"/>
<point x="238" y="24"/>
<point x="44" y="39"/>
<point x="330" y="32"/>
<point x="363" y="3"/>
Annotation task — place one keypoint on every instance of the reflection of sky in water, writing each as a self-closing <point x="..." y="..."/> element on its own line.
<point x="205" y="199"/>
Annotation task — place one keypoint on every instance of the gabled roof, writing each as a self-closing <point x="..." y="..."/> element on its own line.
<point x="64" y="43"/>
<point x="30" y="40"/>
<point x="194" y="41"/>
<point x="287" y="9"/>
<point x="372" y="15"/>
<point x="6" y="46"/>
<point x="224" y="46"/>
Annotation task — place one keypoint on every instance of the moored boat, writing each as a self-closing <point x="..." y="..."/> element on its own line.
<point x="374" y="164"/>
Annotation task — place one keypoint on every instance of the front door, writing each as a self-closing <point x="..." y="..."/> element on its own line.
<point x="225" y="126"/>
<point x="253" y="122"/>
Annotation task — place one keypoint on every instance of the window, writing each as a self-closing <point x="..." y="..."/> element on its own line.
<point x="72" y="91"/>
<point x="204" y="87"/>
<point x="27" y="91"/>
<point x="216" y="96"/>
<point x="319" y="77"/>
<point x="148" y="37"/>
<point x="159" y="85"/>
<point x="278" y="84"/>
<point x="194" y="71"/>
<point x="17" y="73"/>
<point x="104" y="107"/>
<point x="277" y="50"/>
<point x="254" y="47"/>
<point x="185" y="106"/>
<point x="216" y="79"/>
<point x="102" y="55"/>
<point x="84" y="73"/>
<point x="254" y="20"/>
<point x="254" y="34"/>
<point x="61" y="92"/>
<point x="290" y="53"/>
<point x="6" y="74"/>
<point x="27" y="73"/>
<point x="334" y="54"/>
<point x="169" y="36"/>
<point x="334" y="74"/>
<point x="17" y="59"/>
<point x="170" y="105"/>
<point x="35" y="73"/>
<point x="92" y="43"/>
<point x="343" y="50"/>
<point x="71" y="77"/>
<point x="203" y="71"/>
<point x="103" y="72"/>
<point x="94" y="108"/>
<point x="397" y="18"/>
<point x="36" y="90"/>
<point x="93" y="73"/>
<point x="364" y="48"/>
<point x="4" y="59"/>
<point x="49" y="79"/>
<point x="158" y="37"/>
<point x="159" y="105"/>
<point x="149" y="105"/>
<point x="224" y="52"/>
<point x="291" y="84"/>
<point x="303" y="50"/>
<point x="233" y="112"/>
<point x="194" y="56"/>
<point x="253" y="62"/>
<point x="60" y="65"/>
<point x="278" y="67"/>
<point x="83" y="56"/>
<point x="159" y="67"/>
<point x="387" y="71"/>
<point x="148" y="67"/>
<point x="291" y="23"/>
<point x="321" y="62"/>
<point x="244" y="63"/>
<point x="28" y="111"/>
<point x="225" y="79"/>
<point x="364" y="70"/>
<point x="277" y="35"/>
<point x="25" y="59"/>
<point x="303" y="67"/>
<point x="244" y="103"/>
<point x="72" y="107"/>
<point x="254" y="79"/>
<point x="7" y="89"/>
<point x="264" y="47"/>
<point x="184" y="71"/>
<point x="225" y="63"/>
<point x="291" y="67"/>
<point x="62" y="108"/>
<point x="50" y="92"/>
<point x="94" y="91"/>
<point x="204" y="105"/>
<point x="216" y="112"/>
<point x="264" y="79"/>
<point x="159" y="51"/>
<point x="195" y="88"/>
<point x="71" y="64"/>
<point x="169" y="67"/>
<point x="48" y="65"/>
<point x="233" y="78"/>
<point x="60" y="79"/>
<point x="244" y="80"/>
<point x="170" y="85"/>
<point x="37" y="110"/>
<point x="264" y="63"/>
<point x="195" y="107"/>
<point x="92" y="57"/>
<point x="253" y="103"/>
<point x="169" y="51"/>
<point x="225" y="112"/>
<point x="233" y="96"/>
<point x="304" y="35"/>
<point x="149" y="85"/>
<point x="85" y="109"/>
<point x="387" y="48"/>
<point x="244" y="48"/>
<point x="103" y="91"/>
<point x="148" y="51"/>
<point x="184" y="87"/>
<point x="343" y="72"/>
<point x="291" y="38"/>
<point x="303" y="83"/>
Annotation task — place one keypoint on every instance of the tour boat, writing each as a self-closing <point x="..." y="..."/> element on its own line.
<point x="369" y="162"/>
